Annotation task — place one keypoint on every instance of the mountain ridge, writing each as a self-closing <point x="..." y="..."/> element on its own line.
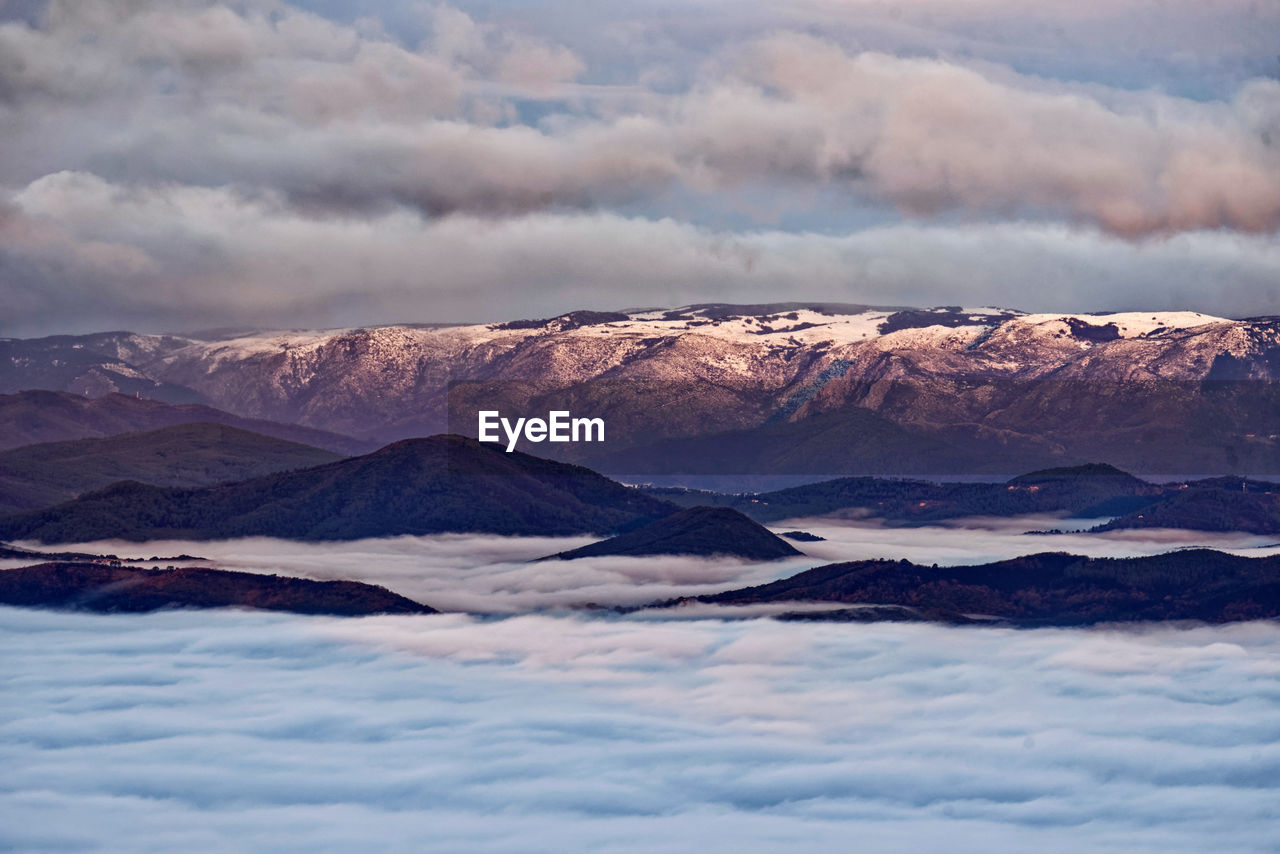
<point x="184" y="455"/>
<point x="40" y="416"/>
<point x="442" y="484"/>
<point x="1140" y="390"/>
<point x="1049" y="588"/>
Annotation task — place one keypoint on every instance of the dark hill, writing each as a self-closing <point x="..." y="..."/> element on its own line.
<point x="1091" y="490"/>
<point x="418" y="486"/>
<point x="92" y="587"/>
<point x="1076" y="474"/>
<point x="702" y="531"/>
<point x="186" y="455"/>
<point x="1209" y="508"/>
<point x="31" y="417"/>
<point x="1050" y="588"/>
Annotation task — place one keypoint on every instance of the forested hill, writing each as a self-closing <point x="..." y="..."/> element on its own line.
<point x="418" y="486"/>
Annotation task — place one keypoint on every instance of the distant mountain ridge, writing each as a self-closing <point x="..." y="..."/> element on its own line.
<point x="185" y="455"/>
<point x="932" y="391"/>
<point x="1091" y="490"/>
<point x="36" y="416"/>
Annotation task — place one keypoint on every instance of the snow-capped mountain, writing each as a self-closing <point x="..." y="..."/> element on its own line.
<point x="1051" y="383"/>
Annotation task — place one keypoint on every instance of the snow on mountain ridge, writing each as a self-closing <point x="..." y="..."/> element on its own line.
<point x="689" y="368"/>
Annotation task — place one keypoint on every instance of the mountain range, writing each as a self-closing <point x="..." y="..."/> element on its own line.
<point x="36" y="416"/>
<point x="809" y="388"/>
<point x="416" y="486"/>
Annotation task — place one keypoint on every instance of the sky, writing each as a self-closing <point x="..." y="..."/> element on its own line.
<point x="184" y="164"/>
<point x="262" y="732"/>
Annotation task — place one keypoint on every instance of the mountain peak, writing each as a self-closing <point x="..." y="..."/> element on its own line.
<point x="702" y="531"/>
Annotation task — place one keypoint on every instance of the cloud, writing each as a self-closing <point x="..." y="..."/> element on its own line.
<point x="270" y="162"/>
<point x="337" y="119"/>
<point x="83" y="253"/>
<point x="486" y="574"/>
<point x="271" y="733"/>
<point x="480" y="573"/>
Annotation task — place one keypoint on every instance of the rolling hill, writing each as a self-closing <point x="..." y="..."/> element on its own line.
<point x="1045" y="589"/>
<point x="185" y="455"/>
<point x="93" y="587"/>
<point x="34" y="416"/>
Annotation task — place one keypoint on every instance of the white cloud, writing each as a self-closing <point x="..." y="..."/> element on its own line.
<point x="487" y="574"/>
<point x="88" y="253"/>
<point x="269" y="733"/>
<point x="276" y="164"/>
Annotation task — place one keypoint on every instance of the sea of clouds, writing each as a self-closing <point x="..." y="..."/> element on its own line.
<point x="521" y="726"/>
<point x="485" y="574"/>
<point x="218" y="731"/>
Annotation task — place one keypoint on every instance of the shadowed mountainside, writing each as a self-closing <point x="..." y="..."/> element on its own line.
<point x="1087" y="490"/>
<point x="186" y="455"/>
<point x="31" y="417"/>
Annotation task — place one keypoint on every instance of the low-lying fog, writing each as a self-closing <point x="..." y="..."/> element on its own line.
<point x="501" y="575"/>
<point x="225" y="730"/>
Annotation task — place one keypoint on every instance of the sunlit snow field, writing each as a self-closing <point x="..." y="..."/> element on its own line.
<point x="538" y="728"/>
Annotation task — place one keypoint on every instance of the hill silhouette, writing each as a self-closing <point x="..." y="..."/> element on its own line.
<point x="418" y="486"/>
<point x="93" y="587"/>
<point x="704" y="531"/>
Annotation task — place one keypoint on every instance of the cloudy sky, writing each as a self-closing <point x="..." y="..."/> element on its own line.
<point x="184" y="164"/>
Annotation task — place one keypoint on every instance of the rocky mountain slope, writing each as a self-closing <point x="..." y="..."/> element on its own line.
<point x="1088" y="491"/>
<point x="1140" y="390"/>
<point x="1221" y="504"/>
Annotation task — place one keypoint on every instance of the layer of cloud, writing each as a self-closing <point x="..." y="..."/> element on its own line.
<point x="267" y="733"/>
<point x="501" y="575"/>
<point x="339" y="118"/>
<point x="108" y="254"/>
<point x="478" y="573"/>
